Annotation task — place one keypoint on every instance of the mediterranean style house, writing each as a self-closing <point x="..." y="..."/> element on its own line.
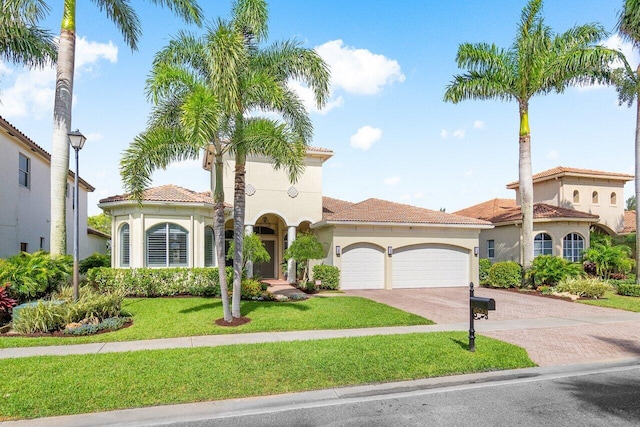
<point x="25" y="196"/>
<point x="376" y="244"/>
<point x="568" y="204"/>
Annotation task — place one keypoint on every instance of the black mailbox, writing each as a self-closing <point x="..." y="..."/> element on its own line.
<point x="484" y="304"/>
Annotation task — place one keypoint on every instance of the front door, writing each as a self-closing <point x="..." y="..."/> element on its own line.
<point x="267" y="270"/>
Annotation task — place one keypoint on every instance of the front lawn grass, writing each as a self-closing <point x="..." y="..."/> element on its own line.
<point x="613" y="300"/>
<point x="47" y="386"/>
<point x="155" y="318"/>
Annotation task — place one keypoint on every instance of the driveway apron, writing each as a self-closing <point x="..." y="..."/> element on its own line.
<point x="553" y="331"/>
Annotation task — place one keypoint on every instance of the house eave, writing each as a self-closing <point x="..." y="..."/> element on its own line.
<point x="401" y="224"/>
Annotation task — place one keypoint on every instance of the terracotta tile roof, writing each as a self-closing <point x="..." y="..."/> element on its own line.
<point x="332" y="206"/>
<point x="561" y="171"/>
<point x="505" y="210"/>
<point x="167" y="193"/>
<point x="376" y="210"/>
<point x="488" y="209"/>
<point x="629" y="222"/>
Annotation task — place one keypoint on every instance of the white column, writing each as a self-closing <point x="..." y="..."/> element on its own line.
<point x="291" y="267"/>
<point x="248" y="229"/>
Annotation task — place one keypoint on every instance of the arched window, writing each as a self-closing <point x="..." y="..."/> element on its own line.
<point x="576" y="196"/>
<point x="614" y="199"/>
<point x="125" y="248"/>
<point x="542" y="245"/>
<point x="209" y="247"/>
<point x="594" y="198"/>
<point x="167" y="246"/>
<point x="572" y="247"/>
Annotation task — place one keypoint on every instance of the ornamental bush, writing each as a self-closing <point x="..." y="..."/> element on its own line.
<point x="505" y="274"/>
<point x="550" y="270"/>
<point x="485" y="266"/>
<point x="93" y="261"/>
<point x="628" y="289"/>
<point x="328" y="275"/>
<point x="589" y="287"/>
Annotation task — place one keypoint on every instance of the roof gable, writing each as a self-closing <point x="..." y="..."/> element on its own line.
<point x="505" y="210"/>
<point x="562" y="171"/>
<point x="166" y="193"/>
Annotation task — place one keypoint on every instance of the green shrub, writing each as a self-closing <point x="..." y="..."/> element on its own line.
<point x="328" y="275"/>
<point x="550" y="270"/>
<point x="628" y="289"/>
<point x="94" y="261"/>
<point x="505" y="274"/>
<point x="485" y="266"/>
<point x="589" y="287"/>
<point x="41" y="316"/>
<point x="109" y="324"/>
<point x="35" y="275"/>
<point x="251" y="289"/>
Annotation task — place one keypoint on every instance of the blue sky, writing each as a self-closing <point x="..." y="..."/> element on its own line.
<point x="392" y="135"/>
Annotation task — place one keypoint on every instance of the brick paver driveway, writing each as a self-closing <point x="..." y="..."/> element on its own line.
<point x="553" y="331"/>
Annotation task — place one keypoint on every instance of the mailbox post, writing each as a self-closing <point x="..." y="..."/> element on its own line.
<point x="478" y="309"/>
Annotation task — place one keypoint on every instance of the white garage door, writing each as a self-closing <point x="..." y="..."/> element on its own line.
<point x="362" y="267"/>
<point x="423" y="266"/>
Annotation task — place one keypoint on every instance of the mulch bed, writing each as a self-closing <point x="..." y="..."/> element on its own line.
<point x="237" y="321"/>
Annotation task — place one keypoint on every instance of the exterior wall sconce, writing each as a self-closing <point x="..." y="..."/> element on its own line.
<point x="476" y="250"/>
<point x="338" y="251"/>
<point x="389" y="250"/>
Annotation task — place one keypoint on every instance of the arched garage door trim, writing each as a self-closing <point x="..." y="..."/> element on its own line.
<point x="430" y="265"/>
<point x="362" y="266"/>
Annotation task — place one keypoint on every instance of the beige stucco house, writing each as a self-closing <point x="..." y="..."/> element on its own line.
<point x="568" y="204"/>
<point x="376" y="244"/>
<point x="25" y="199"/>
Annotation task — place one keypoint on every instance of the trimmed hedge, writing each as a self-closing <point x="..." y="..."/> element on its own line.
<point x="505" y="274"/>
<point x="485" y="266"/>
<point x="628" y="289"/>
<point x="158" y="282"/>
<point x="589" y="287"/>
<point x="328" y="275"/>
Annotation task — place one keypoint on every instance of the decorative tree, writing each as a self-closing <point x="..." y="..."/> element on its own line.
<point x="304" y="248"/>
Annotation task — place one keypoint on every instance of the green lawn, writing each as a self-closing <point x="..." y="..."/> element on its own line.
<point x="613" y="300"/>
<point x="182" y="317"/>
<point x="46" y="386"/>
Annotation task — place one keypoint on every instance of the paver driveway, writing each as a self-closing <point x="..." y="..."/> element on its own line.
<point x="553" y="331"/>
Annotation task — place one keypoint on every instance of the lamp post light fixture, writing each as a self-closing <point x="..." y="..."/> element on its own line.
<point x="77" y="140"/>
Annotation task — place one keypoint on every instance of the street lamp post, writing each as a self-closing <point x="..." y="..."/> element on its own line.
<point x="77" y="140"/>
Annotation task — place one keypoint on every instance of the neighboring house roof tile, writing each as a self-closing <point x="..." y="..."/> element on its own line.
<point x="98" y="233"/>
<point x="376" y="210"/>
<point x="561" y="171"/>
<point x="167" y="193"/>
<point x="505" y="210"/>
<point x="629" y="222"/>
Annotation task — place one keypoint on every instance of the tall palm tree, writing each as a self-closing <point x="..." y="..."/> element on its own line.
<point x="255" y="79"/>
<point x="197" y="85"/>
<point x="538" y="62"/>
<point x="125" y="18"/>
<point x="21" y="40"/>
<point x="628" y="86"/>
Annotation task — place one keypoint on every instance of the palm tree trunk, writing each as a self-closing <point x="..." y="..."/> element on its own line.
<point x="637" y="180"/>
<point x="526" y="186"/>
<point x="238" y="230"/>
<point x="218" y="231"/>
<point x="61" y="128"/>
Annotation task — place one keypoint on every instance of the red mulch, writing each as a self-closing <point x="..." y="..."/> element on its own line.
<point x="237" y="321"/>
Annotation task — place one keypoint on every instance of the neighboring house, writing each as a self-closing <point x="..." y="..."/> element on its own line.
<point x="376" y="244"/>
<point x="25" y="198"/>
<point x="568" y="204"/>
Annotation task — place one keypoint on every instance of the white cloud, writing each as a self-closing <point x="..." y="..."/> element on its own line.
<point x="306" y="95"/>
<point x="405" y="197"/>
<point x="444" y="134"/>
<point x="392" y="180"/>
<point x="359" y="71"/>
<point x="31" y="92"/>
<point x="186" y="164"/>
<point x="478" y="124"/>
<point x="616" y="42"/>
<point x="552" y="155"/>
<point x="468" y="173"/>
<point x="418" y="195"/>
<point x="366" y="137"/>
<point x="459" y="133"/>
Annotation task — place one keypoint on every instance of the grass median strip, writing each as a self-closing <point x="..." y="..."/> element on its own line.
<point x="48" y="386"/>
<point x="613" y="300"/>
<point x="183" y="317"/>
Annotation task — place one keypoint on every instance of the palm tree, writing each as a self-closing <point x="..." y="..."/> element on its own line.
<point x="21" y="40"/>
<point x="126" y="19"/>
<point x="196" y="85"/>
<point x="538" y="62"/>
<point x="628" y="86"/>
<point x="256" y="79"/>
